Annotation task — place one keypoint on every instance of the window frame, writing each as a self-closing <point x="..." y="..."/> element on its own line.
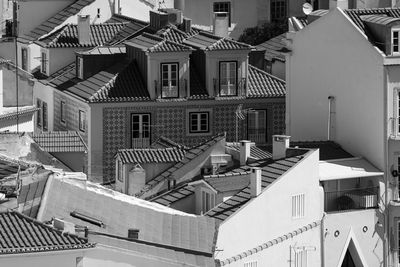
<point x="43" y="63"/>
<point x="39" y="113"/>
<point x="24" y="58"/>
<point x="82" y="121"/>
<point x="169" y="76"/>
<point x="276" y="9"/>
<point x="256" y="113"/>
<point x="63" y="105"/>
<point x="206" y="192"/>
<point x="298" y="205"/>
<point x="392" y="42"/>
<point x="45" y="118"/>
<point x="198" y="127"/>
<point x="228" y="70"/>
<point x="140" y="115"/>
<point x="220" y="9"/>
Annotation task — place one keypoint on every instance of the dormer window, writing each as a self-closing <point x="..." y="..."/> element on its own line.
<point x="395" y="41"/>
<point x="169" y="80"/>
<point x="79" y="68"/>
<point x="228" y="78"/>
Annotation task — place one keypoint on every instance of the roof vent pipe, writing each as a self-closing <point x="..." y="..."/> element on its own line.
<point x="330" y="100"/>
<point x="255" y="181"/>
<point x="83" y="29"/>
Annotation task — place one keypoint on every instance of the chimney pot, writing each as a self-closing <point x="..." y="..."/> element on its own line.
<point x="255" y="181"/>
<point x="280" y="143"/>
<point x="245" y="146"/>
<point x="83" y="29"/>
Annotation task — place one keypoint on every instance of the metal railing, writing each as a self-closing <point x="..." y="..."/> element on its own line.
<point x="358" y="198"/>
<point x="240" y="89"/>
<point x="140" y="142"/>
<point x="259" y="136"/>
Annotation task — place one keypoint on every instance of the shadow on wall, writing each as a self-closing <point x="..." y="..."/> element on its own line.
<point x="25" y="89"/>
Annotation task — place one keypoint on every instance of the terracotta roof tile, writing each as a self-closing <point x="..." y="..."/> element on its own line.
<point x="173" y="34"/>
<point x="60" y="141"/>
<point x="207" y="41"/>
<point x="147" y="155"/>
<point x="153" y="44"/>
<point x="263" y="84"/>
<point x="21" y="234"/>
<point x="275" y="48"/>
<point x="56" y="20"/>
<point x="132" y="28"/>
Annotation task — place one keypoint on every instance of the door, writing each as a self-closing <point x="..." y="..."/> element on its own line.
<point x="257" y="126"/>
<point x="140" y="130"/>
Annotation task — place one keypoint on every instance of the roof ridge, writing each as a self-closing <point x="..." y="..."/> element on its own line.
<point x="264" y="72"/>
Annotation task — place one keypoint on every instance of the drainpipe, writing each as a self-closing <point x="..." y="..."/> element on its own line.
<point x="330" y="99"/>
<point x="323" y="240"/>
<point x="386" y="175"/>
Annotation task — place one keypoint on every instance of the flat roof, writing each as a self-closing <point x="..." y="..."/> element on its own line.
<point x="346" y="169"/>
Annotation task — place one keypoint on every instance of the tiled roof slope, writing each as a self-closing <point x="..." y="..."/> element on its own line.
<point x="263" y="84"/>
<point x="132" y="28"/>
<point x="255" y="151"/>
<point x="271" y="170"/>
<point x="56" y="20"/>
<point x="275" y="48"/>
<point x="173" y="34"/>
<point x="104" y="50"/>
<point x="149" y="155"/>
<point x="209" y="42"/>
<point x="189" y="156"/>
<point x="21" y="234"/>
<point x="119" y="212"/>
<point x="174" y="195"/>
<point x="67" y="36"/>
<point x="22" y="111"/>
<point x="164" y="142"/>
<point x="61" y="141"/>
<point x="355" y="14"/>
<point x="327" y="149"/>
<point x="153" y="44"/>
<point x="226" y="183"/>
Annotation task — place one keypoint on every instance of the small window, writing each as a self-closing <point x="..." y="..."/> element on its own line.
<point x="228" y="78"/>
<point x="24" y="58"/>
<point x="62" y="111"/>
<point x="169" y="80"/>
<point x="395" y="41"/>
<point x="45" y="119"/>
<point x="79" y="68"/>
<point x="278" y="10"/>
<point x="300" y="258"/>
<point x="223" y="7"/>
<point x="207" y="200"/>
<point x="82" y="121"/>
<point x="250" y="264"/>
<point x="198" y="122"/>
<point x="44" y="63"/>
<point x="39" y="113"/>
<point x="298" y="206"/>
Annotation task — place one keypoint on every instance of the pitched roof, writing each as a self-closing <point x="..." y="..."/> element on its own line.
<point x="153" y="44"/>
<point x="173" y="34"/>
<point x="275" y="48"/>
<point x="263" y="84"/>
<point x="327" y="149"/>
<point x="57" y="19"/>
<point x="60" y="141"/>
<point x="271" y="170"/>
<point x="132" y="28"/>
<point x="207" y="41"/>
<point x="22" y="111"/>
<point x="256" y="152"/>
<point x="119" y="212"/>
<point x="104" y="50"/>
<point x="189" y="156"/>
<point x="228" y="182"/>
<point x="120" y="82"/>
<point x="174" y="195"/>
<point x="22" y="234"/>
<point x="164" y="142"/>
<point x="355" y="14"/>
<point x="67" y="36"/>
<point x="150" y="155"/>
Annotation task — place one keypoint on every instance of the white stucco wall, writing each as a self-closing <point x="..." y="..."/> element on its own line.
<point x="44" y="93"/>
<point x="59" y="259"/>
<point x="272" y="216"/>
<point x="331" y="57"/>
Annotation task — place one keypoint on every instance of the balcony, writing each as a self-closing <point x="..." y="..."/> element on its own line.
<point x="351" y="199"/>
<point x="239" y="92"/>
<point x="259" y="136"/>
<point x="140" y="142"/>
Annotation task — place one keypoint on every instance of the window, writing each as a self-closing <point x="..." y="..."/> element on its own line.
<point x="298" y="206"/>
<point x="198" y="122"/>
<point x="44" y="109"/>
<point x="300" y="257"/>
<point x="39" y="113"/>
<point x="140" y="130"/>
<point x="169" y="80"/>
<point x="223" y="7"/>
<point x="79" y="68"/>
<point x="82" y="121"/>
<point x="250" y="264"/>
<point x="119" y="171"/>
<point x="207" y="200"/>
<point x="228" y="78"/>
<point x="278" y="10"/>
<point x="44" y="63"/>
<point x="62" y="112"/>
<point x="395" y="41"/>
<point x="24" y="58"/>
<point x="257" y="126"/>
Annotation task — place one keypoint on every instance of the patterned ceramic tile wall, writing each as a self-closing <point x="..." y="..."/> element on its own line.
<point x="172" y="122"/>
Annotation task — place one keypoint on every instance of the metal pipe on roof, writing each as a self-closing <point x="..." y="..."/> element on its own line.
<point x="330" y="99"/>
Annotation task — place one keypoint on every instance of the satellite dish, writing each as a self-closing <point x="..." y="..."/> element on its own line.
<point x="307" y="8"/>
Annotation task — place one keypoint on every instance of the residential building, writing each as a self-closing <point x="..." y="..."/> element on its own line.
<point x="354" y="38"/>
<point x="184" y="84"/>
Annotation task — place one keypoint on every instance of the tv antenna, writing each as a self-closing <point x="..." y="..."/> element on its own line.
<point x="307" y="8"/>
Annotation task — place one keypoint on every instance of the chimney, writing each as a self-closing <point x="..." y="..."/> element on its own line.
<point x="245" y="146"/>
<point x="84" y="29"/>
<point x="221" y="24"/>
<point x="65" y="227"/>
<point x="133" y="233"/>
<point x="255" y="182"/>
<point x="136" y="180"/>
<point x="186" y="25"/>
<point x="179" y="4"/>
<point x="280" y="143"/>
<point x="158" y="19"/>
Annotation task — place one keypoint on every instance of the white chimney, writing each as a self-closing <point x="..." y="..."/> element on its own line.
<point x="221" y="24"/>
<point x="136" y="180"/>
<point x="280" y="143"/>
<point x="245" y="146"/>
<point x="84" y="29"/>
<point x="65" y="227"/>
<point x="255" y="181"/>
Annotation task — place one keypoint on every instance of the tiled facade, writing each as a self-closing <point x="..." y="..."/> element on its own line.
<point x="172" y="122"/>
